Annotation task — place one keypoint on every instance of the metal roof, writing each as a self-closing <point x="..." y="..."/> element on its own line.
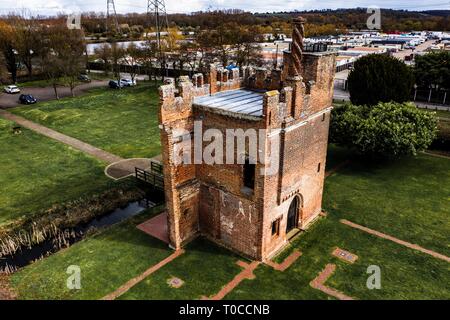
<point x="234" y="101"/>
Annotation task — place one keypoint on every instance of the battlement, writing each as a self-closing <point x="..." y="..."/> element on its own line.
<point x="248" y="93"/>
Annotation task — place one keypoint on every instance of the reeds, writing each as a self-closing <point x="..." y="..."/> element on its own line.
<point x="58" y="222"/>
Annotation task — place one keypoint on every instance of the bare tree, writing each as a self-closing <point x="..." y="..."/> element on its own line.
<point x="117" y="57"/>
<point x="104" y="53"/>
<point x="61" y="55"/>
<point x="149" y="53"/>
<point x="7" y="48"/>
<point x="71" y="52"/>
<point x="27" y="43"/>
<point x="132" y="56"/>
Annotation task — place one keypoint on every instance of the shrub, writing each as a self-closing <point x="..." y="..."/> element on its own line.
<point x="433" y="69"/>
<point x="388" y="130"/>
<point x="380" y="78"/>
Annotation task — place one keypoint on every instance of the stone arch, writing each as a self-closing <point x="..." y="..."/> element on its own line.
<point x="294" y="213"/>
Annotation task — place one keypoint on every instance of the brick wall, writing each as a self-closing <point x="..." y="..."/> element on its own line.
<point x="211" y="199"/>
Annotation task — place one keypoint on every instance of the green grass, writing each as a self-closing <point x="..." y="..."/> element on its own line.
<point x="409" y="199"/>
<point x="204" y="268"/>
<point x="440" y="113"/>
<point x="405" y="274"/>
<point x="123" y="122"/>
<point x="37" y="172"/>
<point x="107" y="261"/>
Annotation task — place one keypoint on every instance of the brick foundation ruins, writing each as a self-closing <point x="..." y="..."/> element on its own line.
<point x="213" y="200"/>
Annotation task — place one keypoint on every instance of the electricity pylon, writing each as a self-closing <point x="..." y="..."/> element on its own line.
<point x="157" y="15"/>
<point x="111" y="14"/>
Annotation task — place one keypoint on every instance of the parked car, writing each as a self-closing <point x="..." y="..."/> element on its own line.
<point x="115" y="84"/>
<point x="128" y="82"/>
<point x="12" y="89"/>
<point x="84" y="78"/>
<point x="27" y="99"/>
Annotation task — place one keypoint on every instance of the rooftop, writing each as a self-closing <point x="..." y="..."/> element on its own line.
<point x="239" y="101"/>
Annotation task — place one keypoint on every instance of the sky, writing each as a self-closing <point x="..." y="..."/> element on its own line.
<point x="47" y="7"/>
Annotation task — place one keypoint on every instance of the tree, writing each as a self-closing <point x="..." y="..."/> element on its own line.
<point x="149" y="53"/>
<point x="433" y="70"/>
<point x="389" y="130"/>
<point x="61" y="55"/>
<point x="104" y="53"/>
<point x="132" y="55"/>
<point x="26" y="42"/>
<point x="379" y="78"/>
<point x="50" y="61"/>
<point x="247" y="49"/>
<point x="7" y="48"/>
<point x="117" y="56"/>
<point x="71" y="52"/>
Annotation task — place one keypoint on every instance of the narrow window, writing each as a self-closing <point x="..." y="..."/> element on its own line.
<point x="319" y="167"/>
<point x="323" y="117"/>
<point x="249" y="174"/>
<point x="276" y="227"/>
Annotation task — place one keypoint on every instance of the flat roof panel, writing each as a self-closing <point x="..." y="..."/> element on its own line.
<point x="239" y="101"/>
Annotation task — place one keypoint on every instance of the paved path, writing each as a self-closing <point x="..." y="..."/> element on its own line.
<point x="47" y="93"/>
<point x="247" y="273"/>
<point x="286" y="263"/>
<point x="398" y="241"/>
<point x="318" y="283"/>
<point x="127" y="286"/>
<point x="75" y="143"/>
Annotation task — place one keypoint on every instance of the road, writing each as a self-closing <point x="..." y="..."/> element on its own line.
<point x="47" y="93"/>
<point x="420" y="48"/>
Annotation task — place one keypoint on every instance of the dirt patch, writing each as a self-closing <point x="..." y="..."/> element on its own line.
<point x="126" y="168"/>
<point x="6" y="292"/>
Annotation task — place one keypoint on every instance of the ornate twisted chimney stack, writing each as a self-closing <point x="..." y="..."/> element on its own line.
<point x="298" y="35"/>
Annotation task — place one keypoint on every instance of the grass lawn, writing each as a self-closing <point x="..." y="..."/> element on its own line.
<point x="123" y="122"/>
<point x="409" y="199"/>
<point x="107" y="261"/>
<point x="37" y="172"/>
<point x="204" y="268"/>
<point x="405" y="274"/>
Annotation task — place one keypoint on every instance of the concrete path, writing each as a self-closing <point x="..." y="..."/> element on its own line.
<point x="47" y="93"/>
<point x="398" y="241"/>
<point x="319" y="283"/>
<point x="247" y="273"/>
<point x="75" y="143"/>
<point x="127" y="286"/>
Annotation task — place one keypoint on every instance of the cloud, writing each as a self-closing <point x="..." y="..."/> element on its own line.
<point x="54" y="6"/>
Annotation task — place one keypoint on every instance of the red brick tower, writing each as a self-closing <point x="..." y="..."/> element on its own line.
<point x="251" y="209"/>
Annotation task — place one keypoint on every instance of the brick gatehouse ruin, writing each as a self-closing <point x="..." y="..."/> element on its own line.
<point x="238" y="205"/>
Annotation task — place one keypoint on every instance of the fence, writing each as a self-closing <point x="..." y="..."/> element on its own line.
<point x="169" y="72"/>
<point x="153" y="177"/>
<point x="432" y="96"/>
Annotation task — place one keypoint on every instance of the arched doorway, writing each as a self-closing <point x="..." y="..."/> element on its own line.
<point x="292" y="220"/>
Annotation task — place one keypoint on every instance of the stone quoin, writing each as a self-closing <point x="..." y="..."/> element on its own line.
<point x="237" y="205"/>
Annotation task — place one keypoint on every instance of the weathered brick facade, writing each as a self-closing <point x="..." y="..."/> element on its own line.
<point x="211" y="199"/>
